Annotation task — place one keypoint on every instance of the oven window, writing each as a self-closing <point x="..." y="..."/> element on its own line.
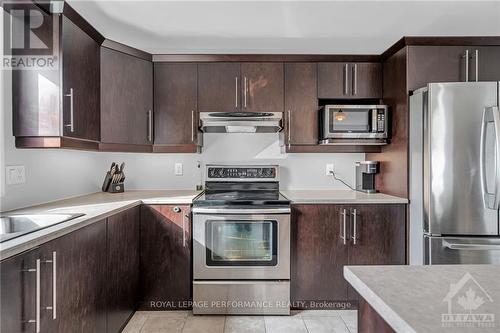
<point x="349" y="120"/>
<point x="241" y="243"/>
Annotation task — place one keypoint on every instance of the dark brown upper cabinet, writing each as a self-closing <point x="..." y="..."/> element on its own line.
<point x="219" y="87"/>
<point x="80" y="69"/>
<point x="349" y="80"/>
<point x="262" y="87"/>
<point x="165" y="256"/>
<point x="301" y="104"/>
<point x="175" y="105"/>
<point x="54" y="106"/>
<point x="234" y="86"/>
<point x="427" y="64"/>
<point x="126" y="101"/>
<point x="488" y="63"/>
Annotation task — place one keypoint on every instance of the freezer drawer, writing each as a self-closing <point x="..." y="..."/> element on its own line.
<point x="461" y="250"/>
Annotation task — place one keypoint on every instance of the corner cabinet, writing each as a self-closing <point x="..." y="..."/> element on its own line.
<point x="325" y="237"/>
<point x="84" y="281"/>
<point x="126" y="102"/>
<point x="165" y="257"/>
<point x="54" y="108"/>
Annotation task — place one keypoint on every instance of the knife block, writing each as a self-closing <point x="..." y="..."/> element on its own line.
<point x="116" y="188"/>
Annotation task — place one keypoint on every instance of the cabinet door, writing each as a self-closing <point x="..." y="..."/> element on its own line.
<point x="18" y="293"/>
<point x="123" y="267"/>
<point x="175" y="103"/>
<point x="301" y="104"/>
<point x="488" y="63"/>
<point x="333" y="80"/>
<point x="262" y="87"/>
<point x="427" y="64"/>
<point x="126" y="98"/>
<point x="366" y="80"/>
<point x="165" y="258"/>
<point x="380" y="232"/>
<point x="219" y="87"/>
<point x="318" y="254"/>
<point x="80" y="280"/>
<point x="80" y="72"/>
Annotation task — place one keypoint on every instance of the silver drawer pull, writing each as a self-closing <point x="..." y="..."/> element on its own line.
<point x="71" y="124"/>
<point x="471" y="247"/>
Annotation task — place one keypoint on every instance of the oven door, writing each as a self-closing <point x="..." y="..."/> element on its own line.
<point x="241" y="246"/>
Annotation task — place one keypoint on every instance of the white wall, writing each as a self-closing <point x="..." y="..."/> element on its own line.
<point x="56" y="174"/>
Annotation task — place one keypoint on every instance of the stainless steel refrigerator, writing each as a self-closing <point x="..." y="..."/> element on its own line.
<point x="455" y="173"/>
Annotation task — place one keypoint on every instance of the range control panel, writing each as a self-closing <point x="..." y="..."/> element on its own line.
<point x="261" y="172"/>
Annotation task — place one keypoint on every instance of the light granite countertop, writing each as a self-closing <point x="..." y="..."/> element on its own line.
<point x="96" y="207"/>
<point x="438" y="298"/>
<point x="340" y="197"/>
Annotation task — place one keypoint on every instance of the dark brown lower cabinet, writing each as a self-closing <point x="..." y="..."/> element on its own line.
<point x="165" y="252"/>
<point x="17" y="293"/>
<point x="369" y="321"/>
<point x="123" y="267"/>
<point x="94" y="286"/>
<point x="374" y="235"/>
<point x="80" y="281"/>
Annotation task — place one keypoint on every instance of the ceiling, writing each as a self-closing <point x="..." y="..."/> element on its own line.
<point x="311" y="27"/>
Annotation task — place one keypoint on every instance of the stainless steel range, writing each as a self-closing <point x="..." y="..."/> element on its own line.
<point x="241" y="248"/>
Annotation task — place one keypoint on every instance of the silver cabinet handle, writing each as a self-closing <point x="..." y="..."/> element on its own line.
<point x="176" y="209"/>
<point x="184" y="229"/>
<point x="476" y="56"/>
<point x="344" y="224"/>
<point x="71" y="124"/>
<point x="245" y="91"/>
<point x="150" y="125"/>
<point x="236" y="91"/>
<point x="355" y="227"/>
<point x="53" y="261"/>
<point x="192" y="125"/>
<point x="37" y="296"/>
<point x="346" y="74"/>
<point x="289" y="128"/>
<point x="466" y="56"/>
<point x="354" y="79"/>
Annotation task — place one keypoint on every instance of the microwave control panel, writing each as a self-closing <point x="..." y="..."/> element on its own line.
<point x="380" y="121"/>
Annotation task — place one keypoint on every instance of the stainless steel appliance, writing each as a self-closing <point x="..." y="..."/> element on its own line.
<point x="241" y="122"/>
<point x="365" y="176"/>
<point x="241" y="248"/>
<point x="354" y="123"/>
<point x="455" y="173"/>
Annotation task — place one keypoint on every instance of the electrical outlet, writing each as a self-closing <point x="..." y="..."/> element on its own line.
<point x="15" y="174"/>
<point x="329" y="169"/>
<point x="178" y="169"/>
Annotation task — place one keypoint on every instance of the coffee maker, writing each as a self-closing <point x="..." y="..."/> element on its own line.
<point x="365" y="176"/>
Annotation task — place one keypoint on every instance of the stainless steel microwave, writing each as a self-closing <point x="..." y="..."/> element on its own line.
<point x="354" y="122"/>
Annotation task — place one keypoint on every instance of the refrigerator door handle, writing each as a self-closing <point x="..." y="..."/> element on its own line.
<point x="490" y="114"/>
<point x="471" y="247"/>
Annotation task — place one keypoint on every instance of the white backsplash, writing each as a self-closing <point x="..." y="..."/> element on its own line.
<point x="57" y="174"/>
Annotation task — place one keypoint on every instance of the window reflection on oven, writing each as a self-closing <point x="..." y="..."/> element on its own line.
<point x="241" y="243"/>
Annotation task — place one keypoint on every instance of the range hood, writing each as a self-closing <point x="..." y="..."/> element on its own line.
<point x="241" y="122"/>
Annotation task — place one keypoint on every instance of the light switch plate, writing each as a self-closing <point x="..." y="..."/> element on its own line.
<point x="178" y="169"/>
<point x="15" y="174"/>
<point x="329" y="169"/>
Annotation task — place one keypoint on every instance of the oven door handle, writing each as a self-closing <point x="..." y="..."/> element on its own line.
<point x="259" y="211"/>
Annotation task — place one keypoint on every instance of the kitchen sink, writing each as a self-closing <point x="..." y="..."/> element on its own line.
<point x="12" y="226"/>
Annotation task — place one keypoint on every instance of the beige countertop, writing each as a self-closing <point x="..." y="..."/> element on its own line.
<point x="340" y="197"/>
<point x="96" y="207"/>
<point x="438" y="298"/>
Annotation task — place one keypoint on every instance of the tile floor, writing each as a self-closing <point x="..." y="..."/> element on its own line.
<point x="341" y="321"/>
